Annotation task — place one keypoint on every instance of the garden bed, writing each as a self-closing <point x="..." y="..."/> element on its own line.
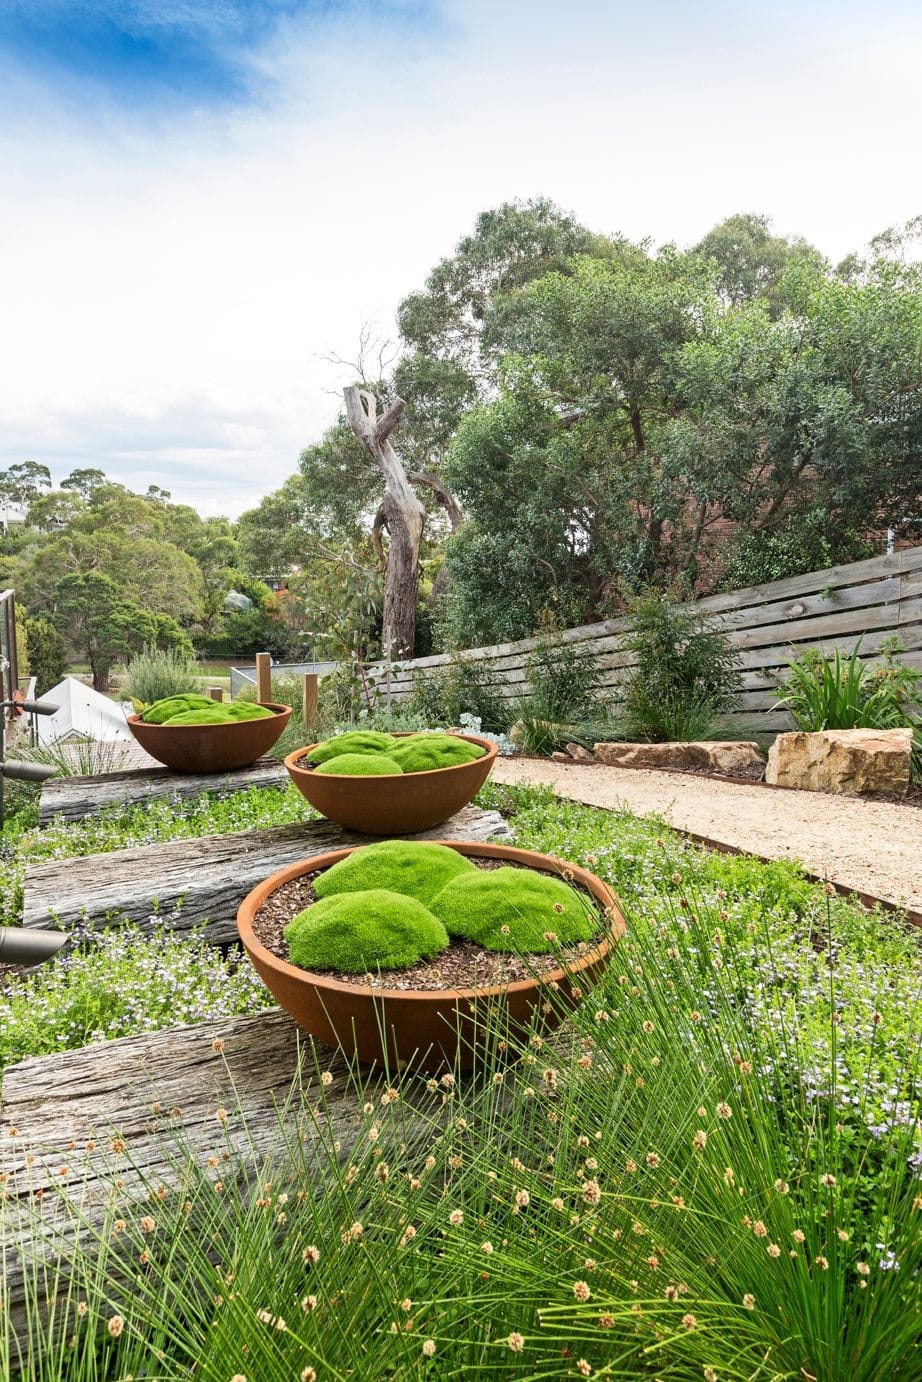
<point x="714" y="1172"/>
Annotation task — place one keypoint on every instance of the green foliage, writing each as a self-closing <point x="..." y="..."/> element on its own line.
<point x="846" y="693"/>
<point x="751" y="262"/>
<point x="686" y="672"/>
<point x="430" y="752"/>
<point x="842" y="692"/>
<point x="216" y="714"/>
<point x="805" y="543"/>
<point x="244" y="710"/>
<point x="514" y="909"/>
<point x="360" y="765"/>
<point x="46" y="654"/>
<point x="121" y="982"/>
<point x="106" y="625"/>
<point x="565" y="679"/>
<point x="353" y="741"/>
<point x="409" y="867"/>
<point x="162" y="710"/>
<point x="362" y="932"/>
<point x="464" y="686"/>
<point x="564" y="703"/>
<point x="156" y="673"/>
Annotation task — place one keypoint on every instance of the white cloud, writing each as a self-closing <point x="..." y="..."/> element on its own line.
<point x="171" y="284"/>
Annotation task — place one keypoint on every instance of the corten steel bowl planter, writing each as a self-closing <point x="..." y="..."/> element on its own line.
<point x="428" y="1027"/>
<point x="211" y="748"/>
<point x="395" y="803"/>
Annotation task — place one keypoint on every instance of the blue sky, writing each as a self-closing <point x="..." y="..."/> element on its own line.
<point x="204" y="201"/>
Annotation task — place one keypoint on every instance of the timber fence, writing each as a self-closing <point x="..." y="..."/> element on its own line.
<point x="771" y="625"/>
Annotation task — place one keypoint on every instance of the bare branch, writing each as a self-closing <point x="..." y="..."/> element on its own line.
<point x="389" y="421"/>
<point x="447" y="500"/>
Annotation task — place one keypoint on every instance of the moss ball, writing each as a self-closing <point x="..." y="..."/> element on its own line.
<point x="408" y="867"/>
<point x="532" y="905"/>
<point x="354" y="741"/>
<point x="360" y="765"/>
<point x="168" y="706"/>
<point x="362" y="932"/>
<point x="425" y="754"/>
<point x="246" y="710"/>
<point x="212" y="715"/>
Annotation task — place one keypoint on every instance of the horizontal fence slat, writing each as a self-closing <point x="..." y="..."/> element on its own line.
<point x="861" y="604"/>
<point x="828" y="601"/>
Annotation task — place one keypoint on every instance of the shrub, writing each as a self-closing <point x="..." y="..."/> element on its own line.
<point x="686" y="673"/>
<point x="46" y="654"/>
<point x="441" y="695"/>
<point x="410" y="867"/>
<point x="565" y="680"/>
<point x="157" y="673"/>
<point x="845" y="693"/>
<point x="361" y="932"/>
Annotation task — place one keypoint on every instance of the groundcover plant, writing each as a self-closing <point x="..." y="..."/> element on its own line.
<point x="694" y="1181"/>
<point x="715" y="1174"/>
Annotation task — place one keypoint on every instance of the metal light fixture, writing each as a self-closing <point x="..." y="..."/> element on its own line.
<point x="12" y="767"/>
<point x="21" y="945"/>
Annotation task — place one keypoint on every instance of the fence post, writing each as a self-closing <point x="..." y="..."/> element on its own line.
<point x="215" y="692"/>
<point x="263" y="677"/>
<point x="309" y="699"/>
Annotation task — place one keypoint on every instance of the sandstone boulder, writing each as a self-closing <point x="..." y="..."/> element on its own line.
<point x="848" y="761"/>
<point x="720" y="756"/>
<point x="579" y="754"/>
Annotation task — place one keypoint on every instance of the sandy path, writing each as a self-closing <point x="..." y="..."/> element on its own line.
<point x="871" y="846"/>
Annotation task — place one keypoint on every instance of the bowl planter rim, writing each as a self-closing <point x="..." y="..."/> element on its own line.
<point x="492" y="749"/>
<point x="600" y="891"/>
<point x="275" y="706"/>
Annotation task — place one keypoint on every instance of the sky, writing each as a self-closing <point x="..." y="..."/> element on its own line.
<point x="205" y="201"/>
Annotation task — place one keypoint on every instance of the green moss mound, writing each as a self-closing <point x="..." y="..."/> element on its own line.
<point x="408" y="867"/>
<point x="246" y="710"/>
<point x="214" y="715"/>
<point x="532" y="905"/>
<point x="354" y="741"/>
<point x="360" y="765"/>
<point x="361" y="932"/>
<point x="163" y="710"/>
<point x="423" y="755"/>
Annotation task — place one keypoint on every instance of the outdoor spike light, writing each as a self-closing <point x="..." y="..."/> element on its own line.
<point x="12" y="767"/>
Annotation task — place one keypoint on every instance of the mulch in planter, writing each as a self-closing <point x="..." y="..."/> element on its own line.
<point x="463" y="965"/>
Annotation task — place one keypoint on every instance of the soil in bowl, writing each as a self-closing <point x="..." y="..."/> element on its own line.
<point x="463" y="965"/>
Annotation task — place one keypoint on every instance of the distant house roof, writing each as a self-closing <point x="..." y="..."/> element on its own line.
<point x="82" y="712"/>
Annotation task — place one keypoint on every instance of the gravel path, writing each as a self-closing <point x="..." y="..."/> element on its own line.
<point x="871" y="846"/>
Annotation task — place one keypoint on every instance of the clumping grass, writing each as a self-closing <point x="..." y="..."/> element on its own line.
<point x="683" y="1187"/>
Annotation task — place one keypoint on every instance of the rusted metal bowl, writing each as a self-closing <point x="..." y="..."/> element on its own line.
<point x="211" y="748"/>
<point x="393" y="804"/>
<point x="428" y="1028"/>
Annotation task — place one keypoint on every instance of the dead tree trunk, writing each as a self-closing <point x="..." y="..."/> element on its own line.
<point x="401" y="513"/>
